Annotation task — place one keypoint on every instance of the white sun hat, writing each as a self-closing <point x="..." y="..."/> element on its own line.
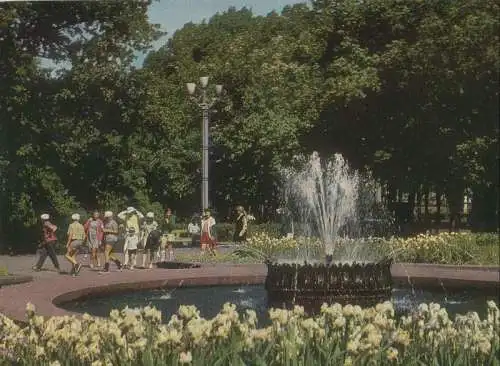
<point x="108" y="214"/>
<point x="130" y="209"/>
<point x="45" y="216"/>
<point x="150" y="215"/>
<point x="75" y="217"/>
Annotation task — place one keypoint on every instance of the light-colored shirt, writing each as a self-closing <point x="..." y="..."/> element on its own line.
<point x="131" y="242"/>
<point x="206" y="226"/>
<point x="110" y="230"/>
<point x="76" y="231"/>
<point x="193" y="229"/>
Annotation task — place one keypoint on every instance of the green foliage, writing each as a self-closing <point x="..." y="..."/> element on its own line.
<point x="220" y="258"/>
<point x="407" y="89"/>
<point x="445" y="248"/>
<point x="225" y="231"/>
<point x="60" y="136"/>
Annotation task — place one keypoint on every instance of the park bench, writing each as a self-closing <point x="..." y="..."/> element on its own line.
<point x="180" y="238"/>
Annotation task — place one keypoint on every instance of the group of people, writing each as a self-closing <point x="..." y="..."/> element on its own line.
<point x="142" y="235"/>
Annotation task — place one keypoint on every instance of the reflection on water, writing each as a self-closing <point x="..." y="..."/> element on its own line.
<point x="209" y="300"/>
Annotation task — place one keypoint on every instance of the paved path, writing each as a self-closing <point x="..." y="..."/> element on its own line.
<point x="49" y="288"/>
<point x="22" y="264"/>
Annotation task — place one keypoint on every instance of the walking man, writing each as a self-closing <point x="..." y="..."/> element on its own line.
<point x="110" y="240"/>
<point x="49" y="240"/>
<point x="76" y="237"/>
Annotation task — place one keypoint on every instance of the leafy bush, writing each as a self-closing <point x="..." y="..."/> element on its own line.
<point x="446" y="248"/>
<point x="263" y="246"/>
<point x="339" y="335"/>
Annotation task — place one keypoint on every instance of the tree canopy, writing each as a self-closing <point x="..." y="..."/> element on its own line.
<point x="406" y="89"/>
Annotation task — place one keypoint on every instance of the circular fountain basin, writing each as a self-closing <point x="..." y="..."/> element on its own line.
<point x="210" y="299"/>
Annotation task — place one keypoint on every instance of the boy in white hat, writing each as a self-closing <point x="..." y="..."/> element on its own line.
<point x="130" y="247"/>
<point x="76" y="237"/>
<point x="148" y="226"/>
<point x="49" y="240"/>
<point x="110" y="240"/>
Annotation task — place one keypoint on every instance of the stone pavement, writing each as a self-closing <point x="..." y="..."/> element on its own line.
<point x="22" y="264"/>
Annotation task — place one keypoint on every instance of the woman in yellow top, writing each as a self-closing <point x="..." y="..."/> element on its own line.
<point x="76" y="237"/>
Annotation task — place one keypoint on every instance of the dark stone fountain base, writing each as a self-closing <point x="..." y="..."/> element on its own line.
<point x="311" y="285"/>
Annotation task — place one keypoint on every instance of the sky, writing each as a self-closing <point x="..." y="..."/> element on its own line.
<point x="173" y="14"/>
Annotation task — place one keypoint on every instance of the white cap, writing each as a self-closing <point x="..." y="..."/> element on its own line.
<point x="130" y="209"/>
<point x="108" y="214"/>
<point x="45" y="216"/>
<point x="75" y="217"/>
<point x="150" y="215"/>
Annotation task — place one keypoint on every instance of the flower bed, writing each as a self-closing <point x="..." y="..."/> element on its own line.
<point x="447" y="248"/>
<point x="444" y="248"/>
<point x="339" y="335"/>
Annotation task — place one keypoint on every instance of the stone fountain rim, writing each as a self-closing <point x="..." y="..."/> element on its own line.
<point x="334" y="264"/>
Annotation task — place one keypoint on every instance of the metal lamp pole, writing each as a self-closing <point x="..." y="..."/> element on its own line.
<point x="205" y="103"/>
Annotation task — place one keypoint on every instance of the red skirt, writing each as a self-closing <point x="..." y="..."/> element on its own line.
<point x="206" y="240"/>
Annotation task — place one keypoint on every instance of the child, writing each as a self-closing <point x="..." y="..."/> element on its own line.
<point x="152" y="245"/>
<point x="76" y="237"/>
<point x="130" y="247"/>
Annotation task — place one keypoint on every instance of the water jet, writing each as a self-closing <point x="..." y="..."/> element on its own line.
<point x="324" y="200"/>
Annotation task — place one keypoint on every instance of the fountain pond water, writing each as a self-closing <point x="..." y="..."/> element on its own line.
<point x="210" y="299"/>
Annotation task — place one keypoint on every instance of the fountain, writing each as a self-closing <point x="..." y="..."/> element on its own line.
<point x="325" y="201"/>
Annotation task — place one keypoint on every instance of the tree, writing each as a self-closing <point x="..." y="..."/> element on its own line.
<point x="42" y="122"/>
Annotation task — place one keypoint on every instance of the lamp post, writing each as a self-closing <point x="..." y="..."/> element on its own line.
<point x="205" y="103"/>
